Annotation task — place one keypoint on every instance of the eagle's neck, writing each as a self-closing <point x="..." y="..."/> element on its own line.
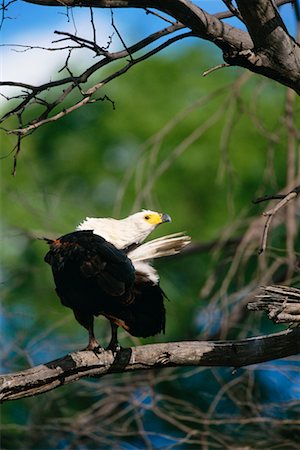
<point x="121" y="233"/>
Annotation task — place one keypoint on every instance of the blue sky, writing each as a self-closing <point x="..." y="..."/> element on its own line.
<point x="25" y="17"/>
<point x="34" y="25"/>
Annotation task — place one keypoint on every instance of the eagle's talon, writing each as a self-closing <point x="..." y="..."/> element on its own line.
<point x="114" y="348"/>
<point x="94" y="346"/>
<point x="98" y="350"/>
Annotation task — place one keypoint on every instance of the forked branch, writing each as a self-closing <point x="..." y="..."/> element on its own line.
<point x="284" y="200"/>
<point x="268" y="51"/>
<point x="72" y="82"/>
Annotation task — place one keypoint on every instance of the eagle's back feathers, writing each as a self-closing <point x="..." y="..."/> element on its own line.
<point x="103" y="268"/>
<point x="94" y="277"/>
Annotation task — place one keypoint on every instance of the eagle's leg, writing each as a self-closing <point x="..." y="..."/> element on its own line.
<point x="87" y="321"/>
<point x="114" y="345"/>
<point x="93" y="343"/>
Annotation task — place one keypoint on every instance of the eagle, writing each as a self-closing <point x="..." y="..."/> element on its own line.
<point x="103" y="268"/>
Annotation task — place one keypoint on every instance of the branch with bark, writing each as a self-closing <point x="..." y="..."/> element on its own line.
<point x="282" y="303"/>
<point x="71" y="83"/>
<point x="266" y="48"/>
<point x="284" y="200"/>
<point x="74" y="366"/>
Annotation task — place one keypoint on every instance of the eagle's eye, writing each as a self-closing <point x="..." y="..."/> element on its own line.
<point x="147" y="217"/>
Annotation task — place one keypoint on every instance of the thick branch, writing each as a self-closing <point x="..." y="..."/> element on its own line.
<point x="274" y="49"/>
<point x="76" y="365"/>
<point x="267" y="49"/>
<point x="203" y="24"/>
<point x="273" y="59"/>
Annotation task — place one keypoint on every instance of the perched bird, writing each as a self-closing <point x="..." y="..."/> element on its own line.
<point x="103" y="268"/>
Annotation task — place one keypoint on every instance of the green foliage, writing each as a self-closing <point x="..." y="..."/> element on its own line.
<point x="101" y="161"/>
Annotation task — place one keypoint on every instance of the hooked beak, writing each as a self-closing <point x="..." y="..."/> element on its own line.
<point x="165" y="218"/>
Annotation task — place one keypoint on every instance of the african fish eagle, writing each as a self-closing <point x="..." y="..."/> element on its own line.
<point x="103" y="268"/>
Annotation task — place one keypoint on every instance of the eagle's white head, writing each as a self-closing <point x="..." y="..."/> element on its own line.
<point x="132" y="230"/>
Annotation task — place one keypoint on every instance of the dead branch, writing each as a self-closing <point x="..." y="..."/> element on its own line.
<point x="282" y="303"/>
<point x="291" y="217"/>
<point x="74" y="366"/>
<point x="68" y="84"/>
<point x="271" y="212"/>
<point x="267" y="48"/>
<point x="234" y="43"/>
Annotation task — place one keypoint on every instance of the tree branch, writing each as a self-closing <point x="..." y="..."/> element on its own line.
<point x="74" y="366"/>
<point x="205" y="25"/>
<point x="274" y="49"/>
<point x="281" y="302"/>
<point x="267" y="49"/>
<point x="74" y="81"/>
<point x="272" y="212"/>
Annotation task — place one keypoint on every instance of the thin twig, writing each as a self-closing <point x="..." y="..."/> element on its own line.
<point x="235" y="12"/>
<point x="120" y="37"/>
<point x="92" y="90"/>
<point x="84" y="77"/>
<point x="213" y="69"/>
<point x="271" y="213"/>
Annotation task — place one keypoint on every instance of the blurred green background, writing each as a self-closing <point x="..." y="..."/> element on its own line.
<point x="199" y="150"/>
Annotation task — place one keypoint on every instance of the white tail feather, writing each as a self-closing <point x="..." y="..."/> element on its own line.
<point x="157" y="248"/>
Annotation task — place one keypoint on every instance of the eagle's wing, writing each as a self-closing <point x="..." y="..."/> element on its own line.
<point x="164" y="246"/>
<point x="93" y="277"/>
<point x="87" y="261"/>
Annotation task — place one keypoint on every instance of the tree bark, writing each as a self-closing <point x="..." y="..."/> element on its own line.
<point x="74" y="366"/>
<point x="274" y="49"/>
<point x="267" y="49"/>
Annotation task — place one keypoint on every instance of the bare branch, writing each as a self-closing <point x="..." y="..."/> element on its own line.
<point x="235" y="12"/>
<point x="272" y="42"/>
<point x="74" y="81"/>
<point x="3" y="10"/>
<point x="270" y="51"/>
<point x="213" y="69"/>
<point x="291" y="218"/>
<point x="76" y="365"/>
<point x="119" y="35"/>
<point x="17" y="148"/>
<point x="271" y="213"/>
<point x="281" y="302"/>
<point x="267" y="49"/>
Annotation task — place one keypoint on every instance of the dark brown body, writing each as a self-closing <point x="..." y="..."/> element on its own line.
<point x="93" y="277"/>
